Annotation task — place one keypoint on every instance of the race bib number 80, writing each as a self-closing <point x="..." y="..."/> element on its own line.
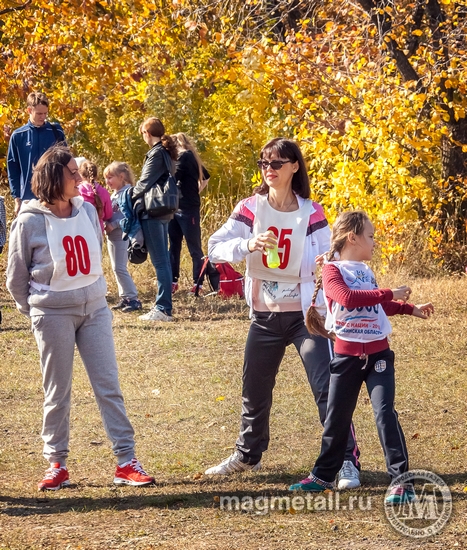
<point x="76" y="255"/>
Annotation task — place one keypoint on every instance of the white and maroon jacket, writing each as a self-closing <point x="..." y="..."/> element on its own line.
<point x="338" y="292"/>
<point x="230" y="244"/>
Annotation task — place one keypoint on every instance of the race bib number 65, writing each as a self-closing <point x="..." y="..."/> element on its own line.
<point x="284" y="245"/>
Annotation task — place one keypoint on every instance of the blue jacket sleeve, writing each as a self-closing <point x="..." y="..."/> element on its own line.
<point x="60" y="133"/>
<point x="14" y="168"/>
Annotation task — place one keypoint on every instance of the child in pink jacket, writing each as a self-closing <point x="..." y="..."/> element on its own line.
<point x="93" y="192"/>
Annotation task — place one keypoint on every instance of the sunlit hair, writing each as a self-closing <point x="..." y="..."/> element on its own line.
<point x="286" y="149"/>
<point x="154" y="127"/>
<point x="117" y="168"/>
<point x="48" y="180"/>
<point x="88" y="171"/>
<point x="37" y="98"/>
<point x="346" y="223"/>
<point x="184" y="143"/>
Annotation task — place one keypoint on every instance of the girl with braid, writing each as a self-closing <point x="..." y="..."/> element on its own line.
<point x="94" y="193"/>
<point x="357" y="321"/>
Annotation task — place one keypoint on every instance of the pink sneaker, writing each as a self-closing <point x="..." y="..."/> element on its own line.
<point x="132" y="473"/>
<point x="55" y="478"/>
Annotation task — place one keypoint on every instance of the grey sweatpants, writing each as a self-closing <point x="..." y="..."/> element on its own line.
<point x="118" y="254"/>
<point x="56" y="335"/>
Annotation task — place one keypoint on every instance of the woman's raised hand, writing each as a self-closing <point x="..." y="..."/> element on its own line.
<point x="262" y="242"/>
<point x="402" y="293"/>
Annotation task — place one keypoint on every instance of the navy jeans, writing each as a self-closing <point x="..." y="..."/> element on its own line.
<point x="186" y="223"/>
<point x="156" y="240"/>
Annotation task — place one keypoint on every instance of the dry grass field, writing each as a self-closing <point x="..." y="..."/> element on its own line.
<point x="181" y="383"/>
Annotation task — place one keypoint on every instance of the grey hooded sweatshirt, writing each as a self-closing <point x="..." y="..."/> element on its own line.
<point x="29" y="259"/>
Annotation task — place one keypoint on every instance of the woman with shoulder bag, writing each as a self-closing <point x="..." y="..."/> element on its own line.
<point x="156" y="171"/>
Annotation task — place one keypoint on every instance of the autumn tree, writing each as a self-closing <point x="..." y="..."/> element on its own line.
<point x="426" y="39"/>
<point x="374" y="92"/>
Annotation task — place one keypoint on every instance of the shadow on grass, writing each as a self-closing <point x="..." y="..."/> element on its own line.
<point x="207" y="498"/>
<point x="17" y="506"/>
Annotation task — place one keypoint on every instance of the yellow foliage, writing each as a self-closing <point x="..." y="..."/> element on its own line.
<point x="216" y="71"/>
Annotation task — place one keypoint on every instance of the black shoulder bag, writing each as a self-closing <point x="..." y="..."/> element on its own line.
<point x="162" y="200"/>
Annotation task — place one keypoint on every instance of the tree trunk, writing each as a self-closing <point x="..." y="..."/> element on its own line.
<point x="454" y="161"/>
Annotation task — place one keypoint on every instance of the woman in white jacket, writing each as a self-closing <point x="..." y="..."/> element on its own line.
<point x="55" y="276"/>
<point x="281" y="214"/>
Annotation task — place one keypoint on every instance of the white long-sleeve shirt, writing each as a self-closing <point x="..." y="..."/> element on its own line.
<point x="230" y="244"/>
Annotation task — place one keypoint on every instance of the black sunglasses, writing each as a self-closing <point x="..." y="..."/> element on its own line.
<point x="274" y="164"/>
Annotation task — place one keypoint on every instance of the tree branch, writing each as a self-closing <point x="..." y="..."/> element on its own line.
<point x="417" y="24"/>
<point x="16" y="8"/>
<point x="383" y="22"/>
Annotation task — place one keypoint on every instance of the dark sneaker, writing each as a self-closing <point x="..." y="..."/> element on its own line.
<point x="132" y="305"/>
<point x="193" y="290"/>
<point x="123" y="303"/>
<point x="309" y="485"/>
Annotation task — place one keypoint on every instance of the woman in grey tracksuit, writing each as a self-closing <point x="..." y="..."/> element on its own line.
<point x="55" y="276"/>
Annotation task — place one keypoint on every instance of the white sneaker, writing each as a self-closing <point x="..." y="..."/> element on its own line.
<point x="348" y="476"/>
<point x="156" y="315"/>
<point x="231" y="465"/>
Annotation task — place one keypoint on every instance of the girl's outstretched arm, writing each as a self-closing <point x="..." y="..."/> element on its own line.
<point x="423" y="311"/>
<point x="338" y="291"/>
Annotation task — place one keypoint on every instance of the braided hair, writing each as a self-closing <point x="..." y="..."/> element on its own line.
<point x="88" y="171"/>
<point x="348" y="222"/>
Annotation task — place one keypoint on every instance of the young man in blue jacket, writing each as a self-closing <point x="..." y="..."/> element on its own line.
<point x="28" y="144"/>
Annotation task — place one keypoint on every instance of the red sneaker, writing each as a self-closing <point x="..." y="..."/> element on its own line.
<point x="55" y="478"/>
<point x="193" y="290"/>
<point x="132" y="474"/>
<point x="174" y="288"/>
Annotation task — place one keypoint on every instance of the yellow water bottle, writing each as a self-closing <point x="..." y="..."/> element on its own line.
<point x="272" y="257"/>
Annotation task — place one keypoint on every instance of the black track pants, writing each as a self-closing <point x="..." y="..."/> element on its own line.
<point x="268" y="337"/>
<point x="347" y="376"/>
